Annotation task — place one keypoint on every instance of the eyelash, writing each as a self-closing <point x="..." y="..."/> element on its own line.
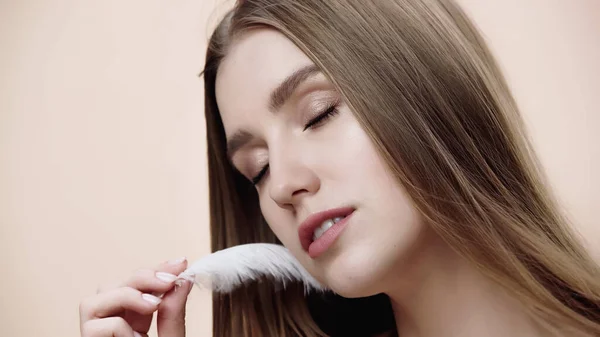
<point x="329" y="112"/>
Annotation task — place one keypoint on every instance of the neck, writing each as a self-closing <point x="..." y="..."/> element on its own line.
<point x="452" y="298"/>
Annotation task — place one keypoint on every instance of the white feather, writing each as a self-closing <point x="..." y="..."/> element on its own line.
<point x="227" y="269"/>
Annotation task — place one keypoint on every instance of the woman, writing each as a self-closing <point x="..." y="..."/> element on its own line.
<point x="392" y="120"/>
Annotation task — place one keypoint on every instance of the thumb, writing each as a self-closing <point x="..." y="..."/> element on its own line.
<point x="171" y="311"/>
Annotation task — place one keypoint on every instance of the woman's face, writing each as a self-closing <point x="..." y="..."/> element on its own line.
<point x="314" y="165"/>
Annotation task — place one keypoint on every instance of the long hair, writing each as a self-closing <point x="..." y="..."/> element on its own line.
<point x="423" y="85"/>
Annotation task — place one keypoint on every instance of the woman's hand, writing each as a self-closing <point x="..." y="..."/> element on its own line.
<point x="126" y="310"/>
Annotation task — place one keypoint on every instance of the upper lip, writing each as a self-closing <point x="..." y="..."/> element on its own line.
<point x="308" y="226"/>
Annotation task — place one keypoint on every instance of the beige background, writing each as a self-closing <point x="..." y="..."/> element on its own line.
<point x="102" y="145"/>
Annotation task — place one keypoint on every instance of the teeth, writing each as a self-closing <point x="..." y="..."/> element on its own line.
<point x="325" y="226"/>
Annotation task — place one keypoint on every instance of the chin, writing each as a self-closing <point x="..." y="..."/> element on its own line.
<point x="358" y="273"/>
<point x="367" y="267"/>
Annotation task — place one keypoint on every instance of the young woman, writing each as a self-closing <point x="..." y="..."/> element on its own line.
<point x="392" y="120"/>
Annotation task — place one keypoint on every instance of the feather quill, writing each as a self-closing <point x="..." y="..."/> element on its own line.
<point x="225" y="270"/>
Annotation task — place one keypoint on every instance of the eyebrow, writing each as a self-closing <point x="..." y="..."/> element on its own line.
<point x="278" y="97"/>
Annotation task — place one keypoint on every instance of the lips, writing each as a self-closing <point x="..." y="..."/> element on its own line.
<point x="307" y="228"/>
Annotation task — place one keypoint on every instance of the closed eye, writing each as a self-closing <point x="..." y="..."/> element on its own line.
<point x="329" y="112"/>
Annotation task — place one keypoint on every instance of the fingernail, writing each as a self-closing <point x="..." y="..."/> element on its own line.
<point x="137" y="334"/>
<point x="182" y="284"/>
<point x="189" y="277"/>
<point x="166" y="277"/>
<point x="150" y="298"/>
<point x="183" y="277"/>
<point x="177" y="261"/>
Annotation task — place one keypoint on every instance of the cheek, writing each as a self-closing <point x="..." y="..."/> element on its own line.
<point x="358" y="161"/>
<point x="382" y="196"/>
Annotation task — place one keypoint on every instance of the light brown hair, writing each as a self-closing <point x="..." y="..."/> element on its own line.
<point x="422" y="83"/>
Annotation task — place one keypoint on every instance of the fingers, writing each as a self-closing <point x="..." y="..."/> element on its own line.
<point x="152" y="282"/>
<point x="114" y="302"/>
<point x="108" y="327"/>
<point x="124" y="309"/>
<point x="159" y="280"/>
<point x="175" y="266"/>
<point x="171" y="311"/>
<point x="149" y="280"/>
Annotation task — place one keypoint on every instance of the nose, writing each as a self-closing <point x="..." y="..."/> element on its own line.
<point x="291" y="181"/>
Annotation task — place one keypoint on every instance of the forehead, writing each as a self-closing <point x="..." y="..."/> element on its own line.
<point x="254" y="65"/>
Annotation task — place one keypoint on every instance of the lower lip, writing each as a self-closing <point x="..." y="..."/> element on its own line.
<point x="320" y="245"/>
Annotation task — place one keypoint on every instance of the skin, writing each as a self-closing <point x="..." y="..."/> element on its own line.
<point x="328" y="166"/>
<point x="121" y="311"/>
<point x="386" y="246"/>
